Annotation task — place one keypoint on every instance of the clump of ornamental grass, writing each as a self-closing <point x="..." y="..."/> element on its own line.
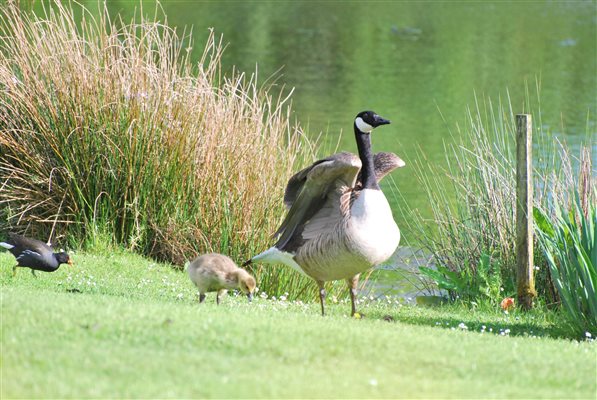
<point x="109" y="132"/>
<point x="568" y="240"/>
<point x="473" y="199"/>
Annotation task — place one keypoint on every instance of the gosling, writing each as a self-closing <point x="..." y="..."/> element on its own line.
<point x="217" y="273"/>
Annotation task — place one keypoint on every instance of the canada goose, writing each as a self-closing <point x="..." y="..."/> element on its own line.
<point x="215" y="272"/>
<point x="339" y="222"/>
<point x="34" y="254"/>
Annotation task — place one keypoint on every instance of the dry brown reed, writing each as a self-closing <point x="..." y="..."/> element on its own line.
<point x="108" y="131"/>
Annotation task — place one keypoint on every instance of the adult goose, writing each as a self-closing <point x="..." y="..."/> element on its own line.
<point x="34" y="254"/>
<point x="339" y="222"/>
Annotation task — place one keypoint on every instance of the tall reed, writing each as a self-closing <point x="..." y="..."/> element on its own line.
<point x="474" y="213"/>
<point x="108" y="131"/>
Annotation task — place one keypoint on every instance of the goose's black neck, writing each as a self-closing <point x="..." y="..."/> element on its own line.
<point x="368" y="169"/>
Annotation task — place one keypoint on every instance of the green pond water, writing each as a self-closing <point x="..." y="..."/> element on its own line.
<point x="416" y="63"/>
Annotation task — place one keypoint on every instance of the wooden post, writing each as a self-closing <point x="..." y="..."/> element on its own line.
<point x="524" y="212"/>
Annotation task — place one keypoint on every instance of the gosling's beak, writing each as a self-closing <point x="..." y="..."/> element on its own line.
<point x="250" y="297"/>
<point x="380" y="121"/>
<point x="70" y="262"/>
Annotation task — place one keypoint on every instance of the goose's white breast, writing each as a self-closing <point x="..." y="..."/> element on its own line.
<point x="372" y="228"/>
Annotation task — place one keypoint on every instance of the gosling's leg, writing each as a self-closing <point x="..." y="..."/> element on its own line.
<point x="352" y="288"/>
<point x="201" y="297"/>
<point x="221" y="292"/>
<point x="321" y="296"/>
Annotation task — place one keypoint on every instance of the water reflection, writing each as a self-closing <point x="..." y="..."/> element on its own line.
<point x="419" y="64"/>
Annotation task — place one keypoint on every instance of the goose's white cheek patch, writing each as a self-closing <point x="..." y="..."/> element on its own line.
<point x="362" y="125"/>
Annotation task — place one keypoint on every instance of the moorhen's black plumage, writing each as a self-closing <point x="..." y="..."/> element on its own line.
<point x="34" y="254"/>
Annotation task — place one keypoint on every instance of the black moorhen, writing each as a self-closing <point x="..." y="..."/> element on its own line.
<point x="34" y="254"/>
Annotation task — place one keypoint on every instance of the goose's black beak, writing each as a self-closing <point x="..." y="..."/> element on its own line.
<point x="380" y="121"/>
<point x="250" y="297"/>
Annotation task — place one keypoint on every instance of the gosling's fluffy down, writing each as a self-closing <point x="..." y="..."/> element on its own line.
<point x="217" y="273"/>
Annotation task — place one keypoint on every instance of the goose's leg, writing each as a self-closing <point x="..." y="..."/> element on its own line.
<point x="201" y="297"/>
<point x="321" y="296"/>
<point x="352" y="288"/>
<point x="14" y="270"/>
<point x="33" y="273"/>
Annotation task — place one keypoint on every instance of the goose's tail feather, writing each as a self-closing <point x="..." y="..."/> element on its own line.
<point x="273" y="255"/>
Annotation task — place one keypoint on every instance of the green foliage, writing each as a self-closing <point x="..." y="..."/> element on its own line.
<point x="569" y="241"/>
<point x="477" y="214"/>
<point x="481" y="282"/>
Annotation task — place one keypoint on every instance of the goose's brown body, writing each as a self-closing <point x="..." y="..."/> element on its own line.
<point x="345" y="245"/>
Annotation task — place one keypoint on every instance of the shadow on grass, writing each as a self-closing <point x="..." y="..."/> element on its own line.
<point x="503" y="325"/>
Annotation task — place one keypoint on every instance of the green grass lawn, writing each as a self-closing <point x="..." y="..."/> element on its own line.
<point x="122" y="326"/>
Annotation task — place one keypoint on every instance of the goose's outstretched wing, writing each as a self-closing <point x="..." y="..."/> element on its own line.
<point x="312" y="188"/>
<point x="338" y="203"/>
<point x="384" y="163"/>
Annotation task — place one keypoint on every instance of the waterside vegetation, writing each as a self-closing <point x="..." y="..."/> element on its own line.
<point x="114" y="142"/>
<point x="111" y="136"/>
<point x="472" y="235"/>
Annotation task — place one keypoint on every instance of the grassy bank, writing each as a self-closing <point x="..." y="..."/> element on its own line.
<point x="122" y="326"/>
